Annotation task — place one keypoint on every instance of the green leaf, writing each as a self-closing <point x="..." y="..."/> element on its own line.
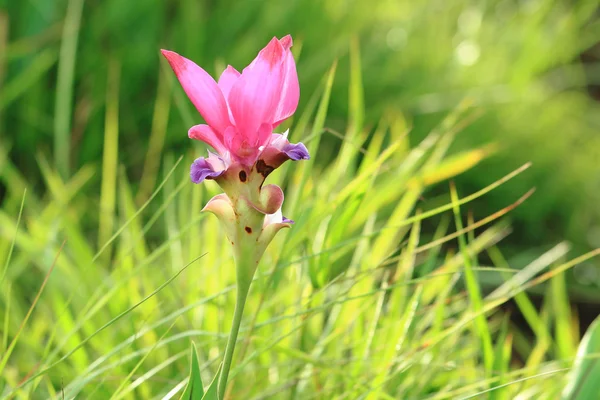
<point x="194" y="389"/>
<point x="211" y="392"/>
<point x="584" y="379"/>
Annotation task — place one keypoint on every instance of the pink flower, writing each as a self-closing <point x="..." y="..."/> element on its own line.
<point x="241" y="110"/>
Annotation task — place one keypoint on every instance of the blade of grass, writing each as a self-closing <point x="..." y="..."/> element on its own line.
<point x="478" y="224"/>
<point x="481" y="325"/>
<point x="27" y="78"/>
<point x="525" y="305"/>
<point x="565" y="340"/>
<point x="532" y="269"/>
<point x="109" y="160"/>
<point x="64" y="87"/>
<point x="119" y="393"/>
<point x="535" y="376"/>
<point x="12" y="245"/>
<point x="502" y="357"/>
<point x="583" y="382"/>
<point x="194" y="388"/>
<point x="7" y="293"/>
<point x="4" y="29"/>
<point x="13" y="343"/>
<point x="160" y="119"/>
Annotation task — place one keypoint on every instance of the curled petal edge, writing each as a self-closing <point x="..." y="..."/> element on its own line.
<point x="202" y="169"/>
<point x="221" y="207"/>
<point x="268" y="201"/>
<point x="274" y="156"/>
<point x="269" y="231"/>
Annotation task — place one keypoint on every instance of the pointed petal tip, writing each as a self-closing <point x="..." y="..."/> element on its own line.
<point x="171" y="56"/>
<point x="286" y="42"/>
<point x="201" y="89"/>
<point x="177" y="62"/>
<point x="273" y="52"/>
<point x="227" y="79"/>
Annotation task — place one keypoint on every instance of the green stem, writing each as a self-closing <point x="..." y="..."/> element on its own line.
<point x="247" y="252"/>
<point x="243" y="288"/>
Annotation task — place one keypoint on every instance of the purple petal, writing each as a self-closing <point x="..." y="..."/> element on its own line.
<point x="296" y="151"/>
<point x="287" y="220"/>
<point x="201" y="170"/>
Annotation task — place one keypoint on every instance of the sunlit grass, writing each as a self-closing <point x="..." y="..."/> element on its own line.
<point x="388" y="286"/>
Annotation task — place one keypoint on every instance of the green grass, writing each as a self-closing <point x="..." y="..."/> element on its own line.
<point x="356" y="301"/>
<point x="388" y="286"/>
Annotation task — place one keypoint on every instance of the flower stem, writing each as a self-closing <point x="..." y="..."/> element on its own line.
<point x="242" y="293"/>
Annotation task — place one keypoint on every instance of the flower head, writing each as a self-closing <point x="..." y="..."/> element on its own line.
<point x="241" y="110"/>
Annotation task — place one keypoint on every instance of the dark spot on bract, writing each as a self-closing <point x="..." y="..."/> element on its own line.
<point x="248" y="229"/>
<point x="263" y="169"/>
<point x="243" y="176"/>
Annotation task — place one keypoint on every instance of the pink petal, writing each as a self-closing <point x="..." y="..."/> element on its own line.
<point x="290" y="92"/>
<point x="286" y="42"/>
<point x="202" y="90"/>
<point x="227" y="79"/>
<point x="207" y="135"/>
<point x="254" y="97"/>
<point x="244" y="151"/>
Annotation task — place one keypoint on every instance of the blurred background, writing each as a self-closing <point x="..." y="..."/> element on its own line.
<point x="75" y="73"/>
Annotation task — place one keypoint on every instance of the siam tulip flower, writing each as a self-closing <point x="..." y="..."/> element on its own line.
<point x="241" y="111"/>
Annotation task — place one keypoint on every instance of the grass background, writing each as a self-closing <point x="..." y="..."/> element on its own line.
<point x="388" y="286"/>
